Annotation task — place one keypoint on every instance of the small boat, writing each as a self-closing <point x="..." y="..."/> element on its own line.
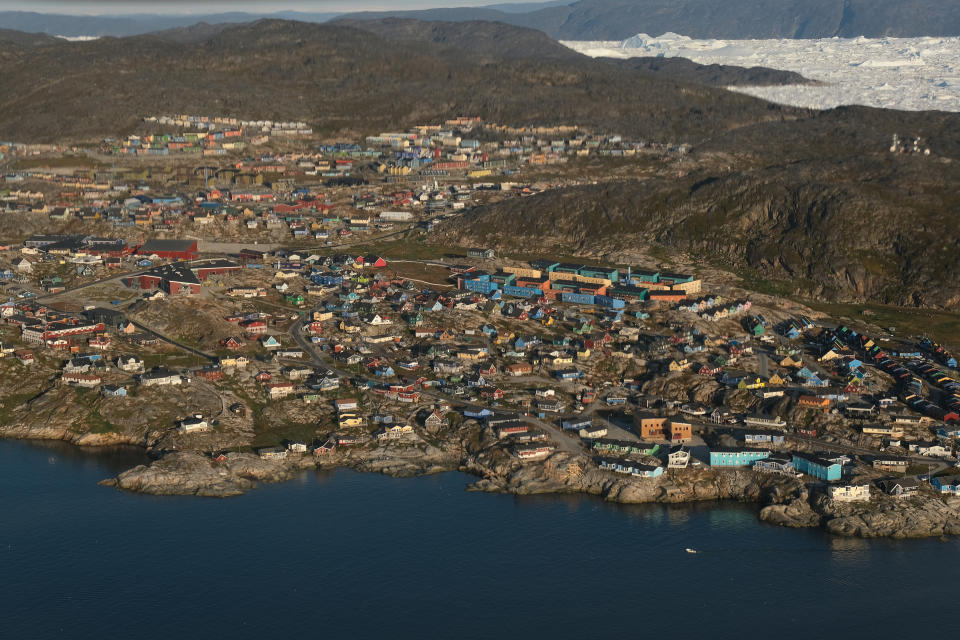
<point x="691" y="550"/>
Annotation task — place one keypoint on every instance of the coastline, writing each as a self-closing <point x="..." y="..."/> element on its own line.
<point x="783" y="500"/>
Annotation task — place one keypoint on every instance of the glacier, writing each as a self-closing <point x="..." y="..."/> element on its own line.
<point x="912" y="74"/>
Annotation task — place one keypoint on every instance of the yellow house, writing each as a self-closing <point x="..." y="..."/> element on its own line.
<point x="829" y="355"/>
<point x="678" y="365"/>
<point x="583" y="355"/>
<point x="889" y="430"/>
<point x="790" y="362"/>
<point x="752" y="383"/>
<point x="776" y="380"/>
<point x="234" y="361"/>
<point x="350" y="420"/>
<point x="395" y="431"/>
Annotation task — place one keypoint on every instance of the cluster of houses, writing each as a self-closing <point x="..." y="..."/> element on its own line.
<point x="546" y="281"/>
<point x="203" y="135"/>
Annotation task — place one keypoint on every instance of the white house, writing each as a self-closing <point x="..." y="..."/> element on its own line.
<point x="850" y="493"/>
<point x="130" y="364"/>
<point x="160" y="378"/>
<point x="593" y="431"/>
<point x="194" y="424"/>
<point x="678" y="458"/>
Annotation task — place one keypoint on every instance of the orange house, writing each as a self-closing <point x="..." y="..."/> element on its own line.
<point x="814" y="402"/>
<point x="680" y="431"/>
<point x="650" y="426"/>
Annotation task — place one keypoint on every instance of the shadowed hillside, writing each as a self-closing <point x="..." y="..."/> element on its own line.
<point x="344" y="79"/>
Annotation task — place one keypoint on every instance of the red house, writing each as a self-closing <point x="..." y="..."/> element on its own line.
<point x="233" y="343"/>
<point x="254" y="327"/>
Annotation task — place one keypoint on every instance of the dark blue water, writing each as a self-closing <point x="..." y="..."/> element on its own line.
<point x="370" y="556"/>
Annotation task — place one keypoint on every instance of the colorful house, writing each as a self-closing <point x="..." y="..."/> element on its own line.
<point x="817" y="467"/>
<point x="730" y="457"/>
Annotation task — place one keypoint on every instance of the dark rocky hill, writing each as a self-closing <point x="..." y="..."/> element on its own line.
<point x="711" y="75"/>
<point x="346" y="79"/>
<point x="822" y="209"/>
<point x="9" y="36"/>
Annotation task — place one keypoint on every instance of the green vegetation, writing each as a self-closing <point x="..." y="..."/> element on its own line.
<point x="942" y="326"/>
<point x="11" y="402"/>
<point x="59" y="162"/>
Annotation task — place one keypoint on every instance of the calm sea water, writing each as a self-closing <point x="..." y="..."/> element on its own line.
<point x="343" y="554"/>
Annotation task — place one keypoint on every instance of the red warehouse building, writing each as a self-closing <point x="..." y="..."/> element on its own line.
<point x="169" y="249"/>
<point x="182" y="278"/>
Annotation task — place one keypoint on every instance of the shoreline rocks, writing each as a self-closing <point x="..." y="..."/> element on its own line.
<point x="784" y="501"/>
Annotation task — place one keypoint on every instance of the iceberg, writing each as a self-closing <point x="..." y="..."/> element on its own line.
<point x="913" y="74"/>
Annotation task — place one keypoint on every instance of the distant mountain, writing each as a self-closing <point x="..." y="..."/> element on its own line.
<point x="620" y="19"/>
<point x="133" y="24"/>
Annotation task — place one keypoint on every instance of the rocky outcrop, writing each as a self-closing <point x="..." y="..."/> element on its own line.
<point x="566" y="473"/>
<point x="919" y="517"/>
<point x="53" y="431"/>
<point x="399" y="459"/>
<point x="189" y="473"/>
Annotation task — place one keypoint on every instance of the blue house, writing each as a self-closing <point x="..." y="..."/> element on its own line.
<point x="478" y="414"/>
<point x="817" y="467"/>
<point x="763" y="437"/>
<point x="947" y="484"/>
<point x="575" y="424"/>
<point x="385" y="372"/>
<point x="725" y="457"/>
<point x="113" y="391"/>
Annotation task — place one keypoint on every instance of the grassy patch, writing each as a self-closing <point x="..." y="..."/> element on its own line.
<point x="942" y="326"/>
<point x="80" y="162"/>
<point x="11" y="402"/>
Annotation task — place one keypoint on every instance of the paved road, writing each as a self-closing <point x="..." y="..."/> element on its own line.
<point x="938" y="464"/>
